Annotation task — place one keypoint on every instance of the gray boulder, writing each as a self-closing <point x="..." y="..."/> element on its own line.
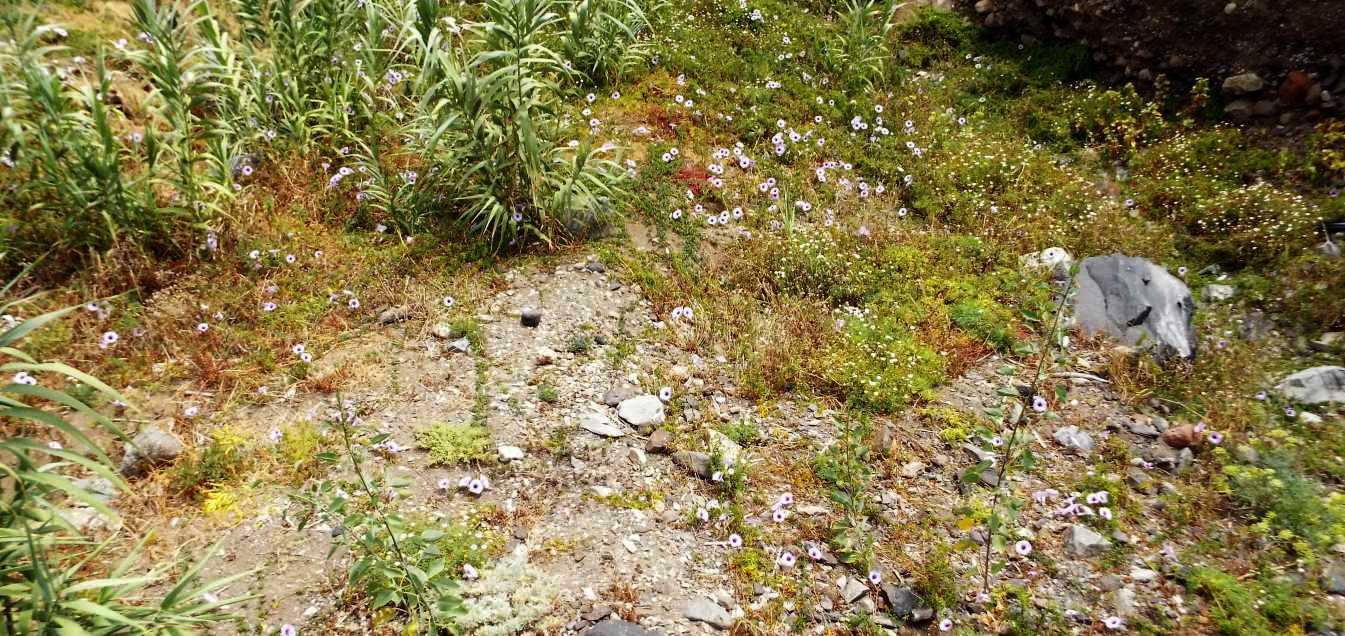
<point x="149" y="448"/>
<point x="1316" y="385"/>
<point x="1136" y="302"/>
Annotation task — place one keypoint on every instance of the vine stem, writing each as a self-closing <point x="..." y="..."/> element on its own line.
<point x="373" y="503"/>
<point x="1007" y="455"/>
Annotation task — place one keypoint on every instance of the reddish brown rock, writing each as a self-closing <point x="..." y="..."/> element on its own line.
<point x="1181" y="436"/>
<point x="1294" y="90"/>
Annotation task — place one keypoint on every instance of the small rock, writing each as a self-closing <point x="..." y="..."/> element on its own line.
<point x="854" y="589"/>
<point x="911" y="470"/>
<point x="461" y="345"/>
<point x="922" y="614"/>
<point x="659" y="442"/>
<point x="1054" y="260"/>
<point x="149" y="448"/>
<point x="1214" y="293"/>
<point x="979" y="453"/>
<point x="728" y="450"/>
<point x="88" y="519"/>
<point x="617" y="627"/>
<point x="1143" y="575"/>
<point x="1140" y="481"/>
<point x="1181" y="436"/>
<point x="530" y="317"/>
<point x="901" y="600"/>
<point x="988" y="477"/>
<point x="1328" y="341"/>
<point x="696" y="462"/>
<point x="1265" y="108"/>
<point x="1243" y="84"/>
<point x="1109" y="582"/>
<point x="1239" y="109"/>
<point x="644" y="412"/>
<point x="1143" y="429"/>
<point x="1080" y="540"/>
<point x="441" y="330"/>
<point x="1074" y="439"/>
<point x="597" y="613"/>
<point x="1123" y="601"/>
<point x="598" y="424"/>
<point x="99" y="488"/>
<point x="1171" y="459"/>
<point x="545" y="356"/>
<point x="1295" y="88"/>
<point x="1333" y="578"/>
<point x="510" y="453"/>
<point x="618" y="394"/>
<point x="1316" y="385"/>
<point x="707" y="611"/>
<point x="394" y="314"/>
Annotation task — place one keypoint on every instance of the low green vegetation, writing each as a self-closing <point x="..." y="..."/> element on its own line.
<point x="455" y="444"/>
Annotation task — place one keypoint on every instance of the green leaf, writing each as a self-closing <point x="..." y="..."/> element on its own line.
<point x="17" y="332"/>
<point x="90" y="608"/>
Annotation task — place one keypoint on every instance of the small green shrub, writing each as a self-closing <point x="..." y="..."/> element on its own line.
<point x="454" y="444"/>
<point x="743" y="431"/>
<point x="227" y="458"/>
<point x="881" y="365"/>
<point x="1257" y="607"/>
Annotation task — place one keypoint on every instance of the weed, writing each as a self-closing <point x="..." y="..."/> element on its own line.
<point x="455" y="444"/>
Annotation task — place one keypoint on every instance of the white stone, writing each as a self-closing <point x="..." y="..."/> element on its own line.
<point x="598" y="424"/>
<point x="641" y="411"/>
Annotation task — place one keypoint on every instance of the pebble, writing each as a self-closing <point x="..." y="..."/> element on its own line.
<point x="394" y="314"/>
<point x="530" y="317"/>
<point x="1140" y="481"/>
<point x="1142" y="575"/>
<point x="659" y="442"/>
<point x="510" y="453"/>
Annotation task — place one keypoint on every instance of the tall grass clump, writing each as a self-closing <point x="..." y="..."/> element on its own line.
<point x="492" y="130"/>
<point x="606" y="39"/>
<point x="58" y="580"/>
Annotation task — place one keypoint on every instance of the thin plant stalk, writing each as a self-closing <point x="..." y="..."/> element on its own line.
<point x="1006" y="456"/>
